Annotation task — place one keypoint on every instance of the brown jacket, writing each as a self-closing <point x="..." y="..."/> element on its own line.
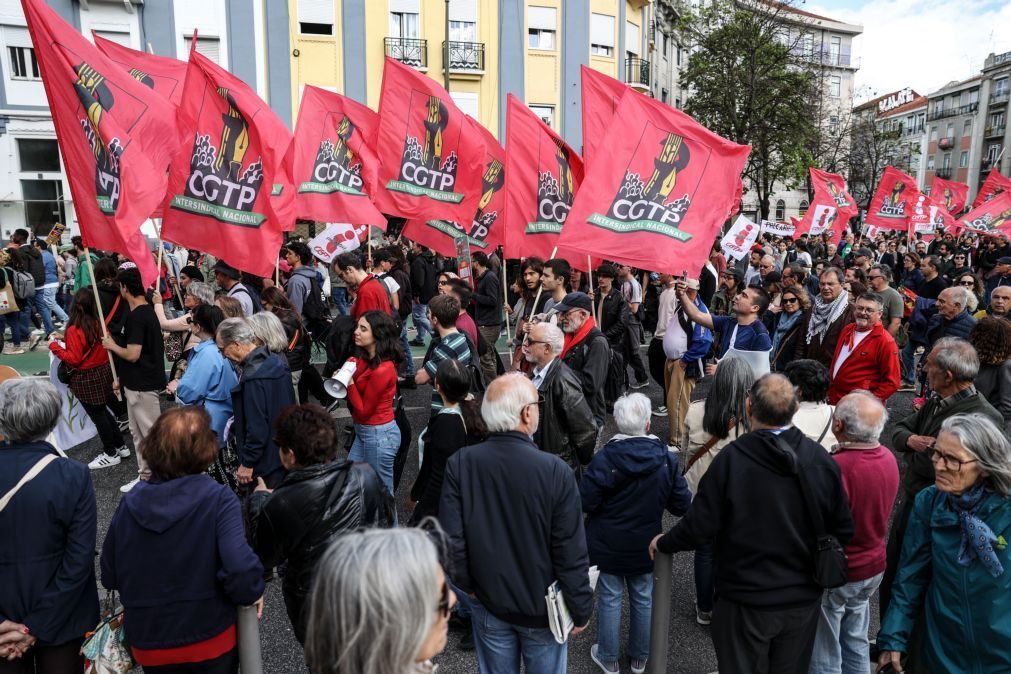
<point x="823" y="350"/>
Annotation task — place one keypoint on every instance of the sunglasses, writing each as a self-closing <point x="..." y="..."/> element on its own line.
<point x="967" y="284"/>
<point x="790" y="300"/>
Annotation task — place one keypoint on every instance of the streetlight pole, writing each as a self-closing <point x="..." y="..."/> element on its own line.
<point x="445" y="52"/>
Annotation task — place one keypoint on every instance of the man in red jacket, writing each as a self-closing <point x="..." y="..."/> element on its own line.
<point x="866" y="356"/>
<point x="370" y="292"/>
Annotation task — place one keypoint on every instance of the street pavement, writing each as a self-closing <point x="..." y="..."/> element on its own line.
<point x="689" y="646"/>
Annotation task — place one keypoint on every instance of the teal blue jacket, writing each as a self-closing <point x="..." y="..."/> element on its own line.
<point x="968" y="618"/>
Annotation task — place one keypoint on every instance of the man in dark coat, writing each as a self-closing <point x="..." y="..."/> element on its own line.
<point x="586" y="350"/>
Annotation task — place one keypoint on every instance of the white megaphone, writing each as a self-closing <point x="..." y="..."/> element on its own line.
<point x="337" y="385"/>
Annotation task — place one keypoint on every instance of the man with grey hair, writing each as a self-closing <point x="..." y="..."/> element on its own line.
<point x="567" y="427"/>
<point x="879" y="277"/>
<point x="870" y="476"/>
<point x="950" y="368"/>
<point x="514" y="522"/>
<point x="952" y="318"/>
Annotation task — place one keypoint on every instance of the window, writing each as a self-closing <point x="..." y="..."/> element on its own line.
<point x="974" y="96"/>
<point x="541" y="26"/>
<point x="950" y="133"/>
<point x="835" y="86"/>
<point x="997" y="120"/>
<point x="315" y="17"/>
<point x="602" y="35"/>
<point x="963" y="160"/>
<point x="546" y="113"/>
<point x="206" y="46"/>
<point x="803" y="207"/>
<point x="833" y="124"/>
<point x="992" y="152"/>
<point x="967" y="128"/>
<point x="930" y="163"/>
<point x="44" y="205"/>
<point x="467" y="102"/>
<point x="946" y="161"/>
<point x="666" y="47"/>
<point x="677" y="103"/>
<point x="939" y="106"/>
<point x="781" y="210"/>
<point x="663" y="95"/>
<point x="933" y="134"/>
<point x="632" y="41"/>
<point x="39" y="155"/>
<point x="1000" y="87"/>
<point x="463" y="31"/>
<point x="807" y="43"/>
<point x="835" y="49"/>
<point x="678" y="47"/>
<point x="23" y="63"/>
<point x="404" y="25"/>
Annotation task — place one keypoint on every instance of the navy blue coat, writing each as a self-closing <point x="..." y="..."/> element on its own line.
<point x="47" y="557"/>
<point x="177" y="553"/>
<point x="625" y="490"/>
<point x="959" y="327"/>
<point x="264" y="389"/>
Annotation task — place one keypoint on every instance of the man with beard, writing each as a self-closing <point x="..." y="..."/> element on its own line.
<point x="586" y="350"/>
<point x="866" y="357"/>
<point x="830" y="313"/>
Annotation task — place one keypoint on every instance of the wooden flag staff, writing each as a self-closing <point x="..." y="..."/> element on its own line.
<point x="101" y="321"/>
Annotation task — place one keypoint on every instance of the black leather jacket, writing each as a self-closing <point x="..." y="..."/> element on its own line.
<point x="614" y="319"/>
<point x="589" y="361"/>
<point x="294" y="525"/>
<point x="567" y="427"/>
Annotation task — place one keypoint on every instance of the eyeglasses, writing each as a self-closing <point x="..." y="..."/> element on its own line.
<point x="527" y="341"/>
<point x="443" y="607"/>
<point x="865" y="310"/>
<point x="949" y="461"/>
<point x="444" y="283"/>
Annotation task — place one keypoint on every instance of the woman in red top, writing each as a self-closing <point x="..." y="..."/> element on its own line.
<point x="91" y="380"/>
<point x="371" y="393"/>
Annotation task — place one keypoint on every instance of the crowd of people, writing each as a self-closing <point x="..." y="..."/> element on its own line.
<point x="213" y="380"/>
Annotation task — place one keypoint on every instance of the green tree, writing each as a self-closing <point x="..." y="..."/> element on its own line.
<point x="753" y="80"/>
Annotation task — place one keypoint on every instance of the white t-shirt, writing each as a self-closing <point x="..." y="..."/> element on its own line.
<point x="845" y="350"/>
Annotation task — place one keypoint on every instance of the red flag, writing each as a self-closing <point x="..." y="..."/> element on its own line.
<point x="162" y="74"/>
<point x="950" y="194"/>
<point x="485" y="231"/>
<point x="660" y="200"/>
<point x="994" y="184"/>
<point x="116" y="137"/>
<point x="432" y="161"/>
<point x="219" y="193"/>
<point x="601" y="96"/>
<point x="831" y="208"/>
<point x="335" y="169"/>
<point x="544" y="177"/>
<point x="992" y="217"/>
<point x="927" y="216"/>
<point x="893" y="201"/>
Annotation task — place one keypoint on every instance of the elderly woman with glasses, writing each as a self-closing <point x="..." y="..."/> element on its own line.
<point x="380" y="604"/>
<point x="955" y="567"/>
<point x="789" y="325"/>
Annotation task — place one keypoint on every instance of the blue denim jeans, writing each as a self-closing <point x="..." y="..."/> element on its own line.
<point x="704" y="577"/>
<point x="840" y="646"/>
<point x="640" y="602"/>
<point x="21" y="322"/>
<point x="377" y="446"/>
<point x="50" y="305"/>
<point x="409" y="368"/>
<point x="340" y="300"/>
<point x="907" y="356"/>
<point x="420" y="313"/>
<point x="500" y="646"/>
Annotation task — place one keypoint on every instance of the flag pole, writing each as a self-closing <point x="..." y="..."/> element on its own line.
<point x="369" y="262"/>
<point x="161" y="246"/>
<point x="505" y="296"/>
<point x="589" y="285"/>
<point x="540" y="289"/>
<point x="101" y="320"/>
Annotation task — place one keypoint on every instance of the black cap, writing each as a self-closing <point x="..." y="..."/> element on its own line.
<point x="1004" y="260"/>
<point x="227" y="270"/>
<point x="736" y="273"/>
<point x="863" y="252"/>
<point x="575" y="300"/>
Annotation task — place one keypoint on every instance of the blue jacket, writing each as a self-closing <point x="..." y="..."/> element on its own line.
<point x="47" y="557"/>
<point x="960" y="327"/>
<point x="49" y="263"/>
<point x="264" y="389"/>
<point x="625" y="490"/>
<point x="967" y="619"/>
<point x="208" y="381"/>
<point x="177" y="553"/>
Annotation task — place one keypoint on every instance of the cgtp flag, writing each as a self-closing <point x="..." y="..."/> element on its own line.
<point x="831" y="208"/>
<point x="337" y="238"/>
<point x="666" y="190"/>
<point x="544" y="178"/>
<point x="992" y="217"/>
<point x="164" y="75"/>
<point x="893" y="201"/>
<point x="949" y="194"/>
<point x="927" y="216"/>
<point x="994" y="184"/>
<point x="601" y="96"/>
<point x="335" y="169"/>
<point x="115" y="134"/>
<point x="219" y="192"/>
<point x="432" y="160"/>
<point x="484" y="232"/>
<point x="742" y="236"/>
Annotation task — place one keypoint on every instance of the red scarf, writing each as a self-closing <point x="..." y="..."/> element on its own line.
<point x="573" y="338"/>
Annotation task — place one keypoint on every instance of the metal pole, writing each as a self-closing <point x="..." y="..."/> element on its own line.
<point x="589" y="286"/>
<point x="445" y="52"/>
<point x="659" y="625"/>
<point x="505" y="295"/>
<point x="101" y="319"/>
<point x="250" y="658"/>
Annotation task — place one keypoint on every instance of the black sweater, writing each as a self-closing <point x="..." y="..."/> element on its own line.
<point x="444" y="436"/>
<point x="750" y="505"/>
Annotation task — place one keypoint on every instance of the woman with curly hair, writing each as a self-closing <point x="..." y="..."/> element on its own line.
<point x="974" y="285"/>
<point x="992" y="338"/>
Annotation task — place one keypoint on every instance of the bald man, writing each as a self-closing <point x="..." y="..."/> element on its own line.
<point x="1000" y="304"/>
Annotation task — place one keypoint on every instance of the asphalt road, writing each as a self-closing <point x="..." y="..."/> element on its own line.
<point x="690" y="650"/>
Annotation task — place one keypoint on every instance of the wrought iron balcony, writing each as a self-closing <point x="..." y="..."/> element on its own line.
<point x="946" y="143"/>
<point x="994" y="131"/>
<point x="408" y="50"/>
<point x="943" y="172"/>
<point x="1000" y="97"/>
<point x="637" y="71"/>
<point x="953" y="112"/>
<point x="465" y="56"/>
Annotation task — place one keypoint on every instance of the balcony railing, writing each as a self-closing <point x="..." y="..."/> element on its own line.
<point x="408" y="50"/>
<point x="953" y="112"/>
<point x="637" y="72"/>
<point x="914" y="130"/>
<point x="994" y="131"/>
<point x="1000" y="97"/>
<point x="943" y="172"/>
<point x="946" y="143"/>
<point x="465" y="56"/>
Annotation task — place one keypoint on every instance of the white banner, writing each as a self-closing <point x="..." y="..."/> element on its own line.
<point x="337" y="238"/>
<point x="74" y="426"/>
<point x="824" y="217"/>
<point x="777" y="228"/>
<point x="739" y="240"/>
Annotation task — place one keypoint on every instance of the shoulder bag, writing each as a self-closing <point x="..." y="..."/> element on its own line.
<point x="26" y="478"/>
<point x="704" y="449"/>
<point x="64" y="373"/>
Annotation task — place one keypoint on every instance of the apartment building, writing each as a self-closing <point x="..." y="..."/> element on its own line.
<point x="954" y="135"/>
<point x="901" y="120"/>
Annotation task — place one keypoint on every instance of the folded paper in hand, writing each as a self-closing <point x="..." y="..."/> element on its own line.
<point x="559" y="619"/>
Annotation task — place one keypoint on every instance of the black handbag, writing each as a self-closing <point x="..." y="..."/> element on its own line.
<point x="64" y="373"/>
<point x="831" y="567"/>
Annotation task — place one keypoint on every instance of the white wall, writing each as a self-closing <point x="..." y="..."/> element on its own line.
<point x="112" y="18"/>
<point x="209" y="18"/>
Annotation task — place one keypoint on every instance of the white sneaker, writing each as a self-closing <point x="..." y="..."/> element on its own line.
<point x="103" y="460"/>
<point x="703" y="617"/>
<point x="124" y="452"/>
<point x="129" y="485"/>
<point x="660" y="411"/>
<point x="11" y="350"/>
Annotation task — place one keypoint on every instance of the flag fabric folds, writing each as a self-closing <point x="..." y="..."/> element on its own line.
<point x="116" y="136"/>
<point x="659" y="201"/>
<point x="164" y="75"/>
<point x="953" y="196"/>
<point x="994" y="184"/>
<point x="432" y="160"/>
<point x="226" y="192"/>
<point x="893" y="201"/>
<point x="831" y="208"/>
<point x="991" y="217"/>
<point x="484" y="232"/>
<point x="601" y="96"/>
<point x="544" y="177"/>
<point x="927" y="216"/>
<point x="335" y="170"/>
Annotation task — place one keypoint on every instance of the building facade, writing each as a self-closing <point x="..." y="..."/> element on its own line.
<point x="34" y="192"/>
<point x="954" y="138"/>
<point x="993" y="97"/>
<point x="901" y="121"/>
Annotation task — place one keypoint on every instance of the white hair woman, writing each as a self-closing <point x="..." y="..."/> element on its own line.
<point x="380" y="604"/>
<point x="955" y="567"/>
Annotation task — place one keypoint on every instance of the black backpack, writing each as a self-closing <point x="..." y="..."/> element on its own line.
<point x="406" y="298"/>
<point x="313" y="307"/>
<point x="253" y="297"/>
